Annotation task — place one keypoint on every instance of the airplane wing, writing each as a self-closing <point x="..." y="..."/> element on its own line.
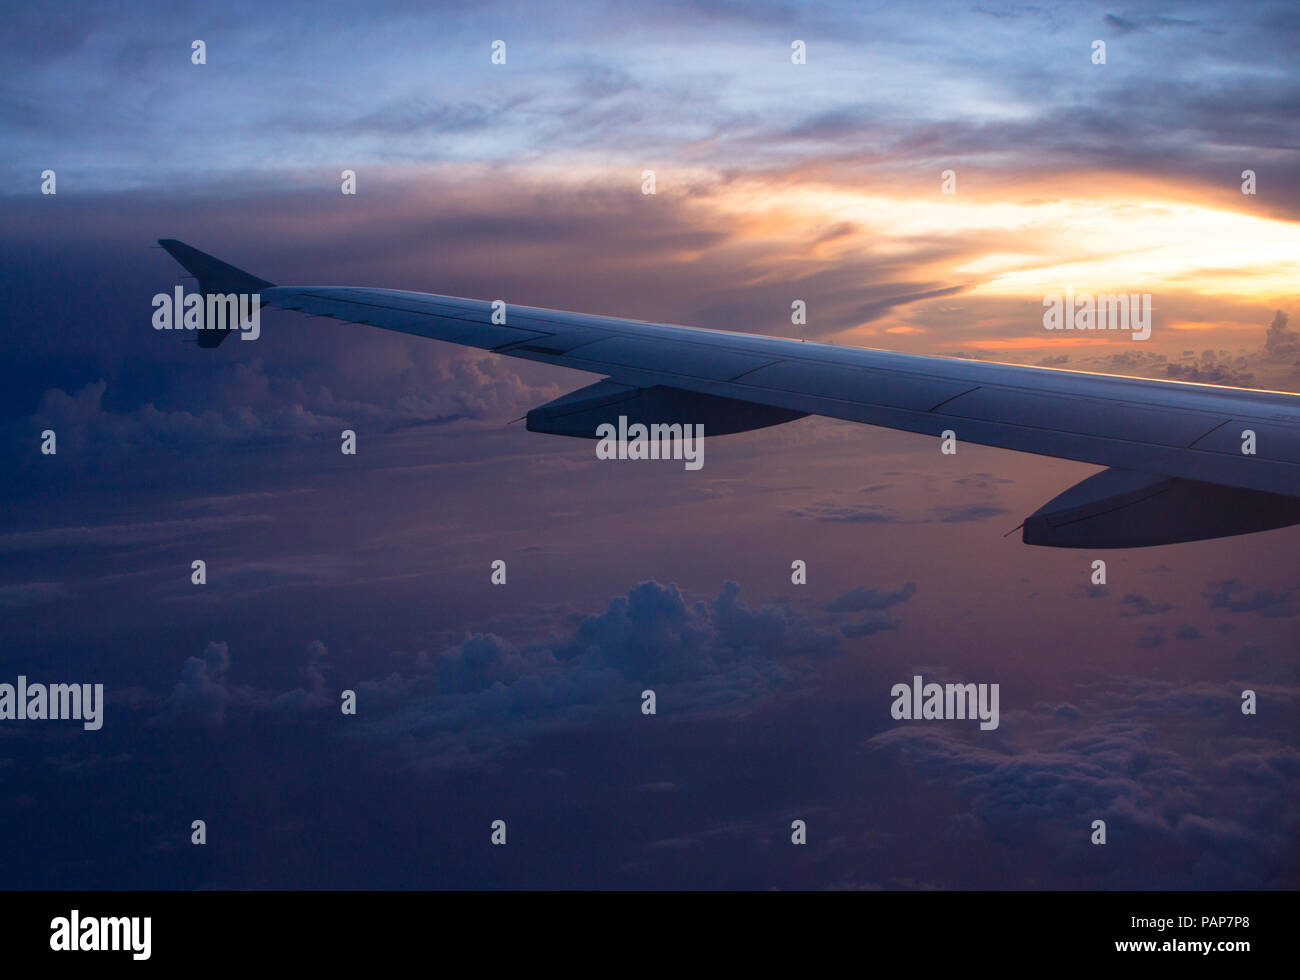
<point x="1178" y="469"/>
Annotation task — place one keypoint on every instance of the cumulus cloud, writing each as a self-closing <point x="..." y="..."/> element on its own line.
<point x="1281" y="342"/>
<point x="1126" y="756"/>
<point x="486" y="693"/>
<point x="204" y="693"/>
<point x="701" y="657"/>
<point x="314" y="694"/>
<point x="248" y="404"/>
<point x="1211" y="371"/>
<point x="201" y="695"/>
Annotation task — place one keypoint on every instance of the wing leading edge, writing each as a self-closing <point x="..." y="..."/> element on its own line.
<point x="1185" y="439"/>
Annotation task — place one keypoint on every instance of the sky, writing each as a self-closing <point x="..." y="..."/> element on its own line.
<point x="774" y="182"/>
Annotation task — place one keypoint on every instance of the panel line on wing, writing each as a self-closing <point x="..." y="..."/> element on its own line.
<point x="935" y="408"/>
<point x="1208" y="432"/>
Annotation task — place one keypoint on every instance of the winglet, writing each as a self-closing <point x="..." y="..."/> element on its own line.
<point x="214" y="276"/>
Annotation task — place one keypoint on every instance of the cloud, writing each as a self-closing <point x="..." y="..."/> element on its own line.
<point x="1142" y="606"/>
<point x="201" y="695"/>
<point x="1152" y="638"/>
<point x="31" y="594"/>
<point x="1090" y="591"/>
<point x="314" y="695"/>
<point x="970" y="512"/>
<point x="1127" y="757"/>
<point x="1266" y="602"/>
<point x="828" y="512"/>
<point x="486" y="694"/>
<point x="248" y="404"/>
<point x="124" y="535"/>
<point x="871" y="624"/>
<point x="982" y="480"/>
<point x="860" y="598"/>
<point x="236" y="581"/>
<point x="846" y="513"/>
<point x="204" y="694"/>
<point x="873" y="603"/>
<point x="701" y="658"/>
<point x="1209" y="372"/>
<point x="1065" y="710"/>
<point x="1281" y="343"/>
